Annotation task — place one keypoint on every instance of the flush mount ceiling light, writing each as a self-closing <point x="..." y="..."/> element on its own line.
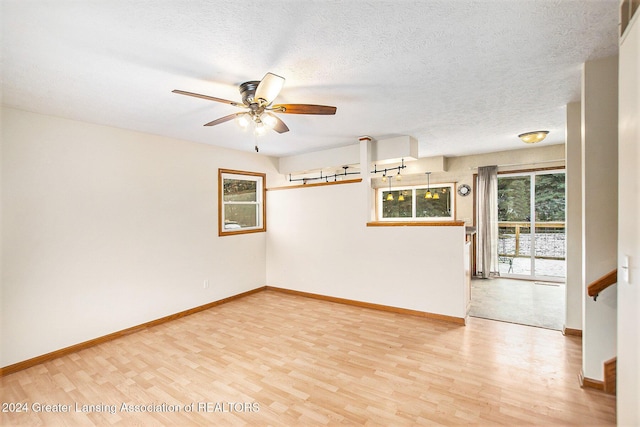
<point x="533" y="137"/>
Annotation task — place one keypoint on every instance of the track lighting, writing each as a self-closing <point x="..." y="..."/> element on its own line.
<point x="326" y="178"/>
<point x="385" y="170"/>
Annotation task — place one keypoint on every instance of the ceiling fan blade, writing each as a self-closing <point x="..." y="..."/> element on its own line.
<point x="279" y="126"/>
<point x="210" y="98"/>
<point x="304" y="109"/>
<point x="224" y="119"/>
<point x="269" y="87"/>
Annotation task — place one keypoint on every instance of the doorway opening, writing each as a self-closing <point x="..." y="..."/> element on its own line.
<point x="530" y="289"/>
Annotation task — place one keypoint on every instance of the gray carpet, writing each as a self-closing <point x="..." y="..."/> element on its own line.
<point x="525" y="302"/>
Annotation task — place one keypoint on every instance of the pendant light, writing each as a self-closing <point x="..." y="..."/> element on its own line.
<point x="428" y="194"/>
<point x="390" y="194"/>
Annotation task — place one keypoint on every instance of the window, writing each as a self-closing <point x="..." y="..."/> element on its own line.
<point x="414" y="204"/>
<point x="241" y="202"/>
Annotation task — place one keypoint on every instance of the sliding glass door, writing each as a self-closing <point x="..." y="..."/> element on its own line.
<point x="531" y="227"/>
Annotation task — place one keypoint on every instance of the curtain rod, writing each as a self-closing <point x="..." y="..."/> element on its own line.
<point x="522" y="164"/>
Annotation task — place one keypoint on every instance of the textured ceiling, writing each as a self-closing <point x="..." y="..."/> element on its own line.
<point x="462" y="77"/>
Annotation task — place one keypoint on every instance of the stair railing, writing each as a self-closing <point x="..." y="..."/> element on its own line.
<point x="602" y="283"/>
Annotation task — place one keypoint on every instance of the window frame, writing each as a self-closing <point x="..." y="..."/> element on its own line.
<point x="451" y="186"/>
<point x="261" y="202"/>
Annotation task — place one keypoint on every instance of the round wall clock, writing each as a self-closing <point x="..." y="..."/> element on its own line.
<point x="464" y="190"/>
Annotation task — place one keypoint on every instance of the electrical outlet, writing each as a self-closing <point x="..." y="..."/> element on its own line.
<point x="206" y="284"/>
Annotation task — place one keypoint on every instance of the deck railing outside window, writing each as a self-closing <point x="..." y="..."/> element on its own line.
<point x="514" y="240"/>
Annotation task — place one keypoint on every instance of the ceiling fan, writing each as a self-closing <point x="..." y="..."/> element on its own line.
<point x="257" y="100"/>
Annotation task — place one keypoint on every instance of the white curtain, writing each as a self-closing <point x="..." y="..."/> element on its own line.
<point x="488" y="221"/>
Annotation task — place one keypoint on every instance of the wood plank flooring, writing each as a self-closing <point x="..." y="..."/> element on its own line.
<point x="276" y="359"/>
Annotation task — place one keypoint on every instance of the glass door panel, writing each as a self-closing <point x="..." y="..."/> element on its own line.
<point x="550" y="248"/>
<point x="514" y="198"/>
<point x="531" y="228"/>
<point x="514" y="225"/>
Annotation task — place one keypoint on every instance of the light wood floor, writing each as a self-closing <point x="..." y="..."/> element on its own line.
<point x="288" y="360"/>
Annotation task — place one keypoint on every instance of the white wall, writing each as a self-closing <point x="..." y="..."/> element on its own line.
<point x="599" y="209"/>
<point x="574" y="281"/>
<point x="104" y="229"/>
<point x="628" y="369"/>
<point x="315" y="214"/>
<point x="333" y="158"/>
<point x="318" y="242"/>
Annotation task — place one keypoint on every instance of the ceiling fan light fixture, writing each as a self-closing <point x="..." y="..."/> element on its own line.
<point x="260" y="129"/>
<point x="243" y="121"/>
<point x="533" y="137"/>
<point x="268" y="120"/>
<point x="257" y="97"/>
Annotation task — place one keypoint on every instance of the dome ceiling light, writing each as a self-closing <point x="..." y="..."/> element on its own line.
<point x="533" y="137"/>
